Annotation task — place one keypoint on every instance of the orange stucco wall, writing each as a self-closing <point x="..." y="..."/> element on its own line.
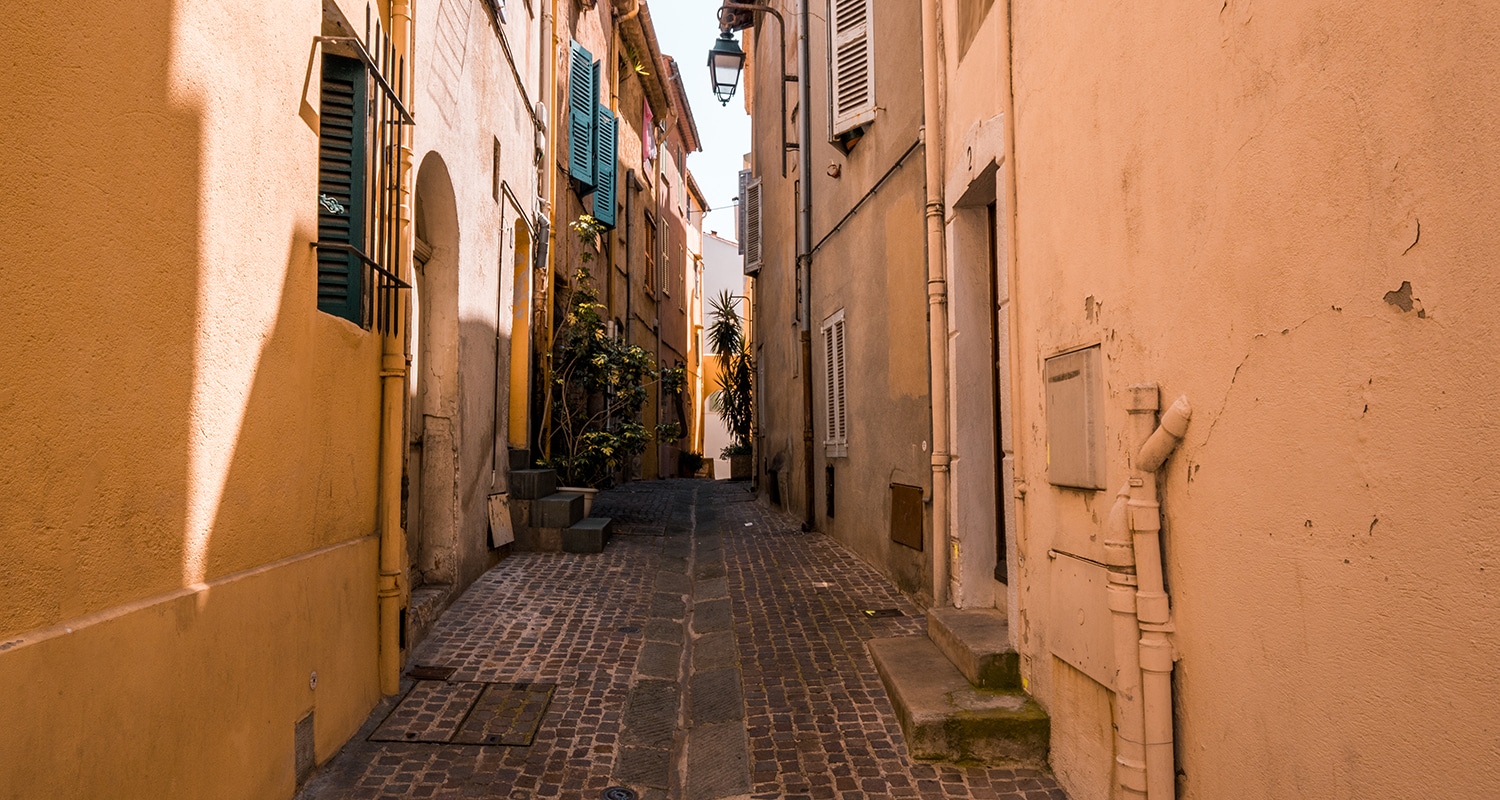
<point x="180" y="416"/>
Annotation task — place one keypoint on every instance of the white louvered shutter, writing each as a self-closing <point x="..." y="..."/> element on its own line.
<point x="739" y="211"/>
<point x="836" y="407"/>
<point x="852" y="29"/>
<point x="751" y="201"/>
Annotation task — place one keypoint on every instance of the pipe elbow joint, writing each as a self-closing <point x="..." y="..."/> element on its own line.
<point x="1166" y="437"/>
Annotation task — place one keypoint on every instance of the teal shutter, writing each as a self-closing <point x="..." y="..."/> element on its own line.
<point x="582" y="97"/>
<point x="608" y="148"/>
<point x="341" y="187"/>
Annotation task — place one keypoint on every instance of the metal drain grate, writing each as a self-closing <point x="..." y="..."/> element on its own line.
<point x="428" y="672"/>
<point x="879" y="613"/>
<point x="439" y="712"/>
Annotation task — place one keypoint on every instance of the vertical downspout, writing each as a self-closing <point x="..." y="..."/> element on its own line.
<point x="804" y="246"/>
<point x="937" y="298"/>
<point x="550" y="41"/>
<point x="1152" y="606"/>
<point x="393" y="361"/>
<point x="1119" y="556"/>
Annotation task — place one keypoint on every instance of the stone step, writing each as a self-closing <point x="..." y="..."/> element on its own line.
<point x="944" y="718"/>
<point x="977" y="641"/>
<point x="588" y="535"/>
<point x="426" y="604"/>
<point x="557" y="510"/>
<point x="532" y="484"/>
<point x="519" y="458"/>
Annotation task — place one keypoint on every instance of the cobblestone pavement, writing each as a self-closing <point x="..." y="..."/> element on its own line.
<point x="713" y="650"/>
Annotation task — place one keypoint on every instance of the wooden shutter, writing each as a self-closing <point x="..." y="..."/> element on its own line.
<point x="836" y="407"/>
<point x="751" y="201"/>
<point x="853" y="64"/>
<point x="341" y="187"/>
<point x="583" y="100"/>
<point x="608" y="146"/>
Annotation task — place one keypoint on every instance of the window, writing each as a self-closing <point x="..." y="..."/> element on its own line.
<point x="650" y="253"/>
<point x="750" y="233"/>
<point x="359" y="139"/>
<point x="836" y="408"/>
<point x="852" y="66"/>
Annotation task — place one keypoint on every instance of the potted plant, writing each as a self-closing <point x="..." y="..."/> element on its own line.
<point x="734" y="402"/>
<point x="598" y="387"/>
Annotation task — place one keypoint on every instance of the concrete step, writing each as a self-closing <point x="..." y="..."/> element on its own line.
<point x="557" y="510"/>
<point x="532" y="484"/>
<point x="519" y="458"/>
<point x="977" y="641"/>
<point x="944" y="718"/>
<point x="588" y="535"/>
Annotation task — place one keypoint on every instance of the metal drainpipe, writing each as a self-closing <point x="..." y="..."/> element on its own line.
<point x="550" y="43"/>
<point x="804" y="248"/>
<point x="390" y="587"/>
<point x="937" y="300"/>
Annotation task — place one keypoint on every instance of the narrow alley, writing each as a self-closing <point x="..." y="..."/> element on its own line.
<point x="712" y="650"/>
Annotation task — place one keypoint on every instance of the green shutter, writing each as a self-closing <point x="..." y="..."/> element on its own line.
<point x="582" y="96"/>
<point x="341" y="187"/>
<point x="608" y="148"/>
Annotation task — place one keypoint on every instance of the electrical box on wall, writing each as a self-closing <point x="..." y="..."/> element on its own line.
<point x="1075" y="419"/>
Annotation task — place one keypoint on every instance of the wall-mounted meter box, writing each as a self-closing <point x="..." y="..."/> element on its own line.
<point x="1075" y="419"/>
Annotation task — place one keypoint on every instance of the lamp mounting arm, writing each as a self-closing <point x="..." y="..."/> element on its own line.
<point x="727" y="23"/>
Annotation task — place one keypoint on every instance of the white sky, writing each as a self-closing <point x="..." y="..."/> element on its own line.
<point x="686" y="29"/>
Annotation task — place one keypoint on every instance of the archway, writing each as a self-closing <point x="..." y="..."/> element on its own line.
<point x="432" y="466"/>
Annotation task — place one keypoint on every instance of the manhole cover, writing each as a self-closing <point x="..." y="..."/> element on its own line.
<point x="882" y="612"/>
<point x="618" y="793"/>
<point x="438" y="712"/>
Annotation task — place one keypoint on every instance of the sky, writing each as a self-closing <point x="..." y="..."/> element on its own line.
<point x="686" y="29"/>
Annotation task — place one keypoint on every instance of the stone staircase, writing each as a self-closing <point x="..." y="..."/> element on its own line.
<point x="549" y="521"/>
<point x="957" y="691"/>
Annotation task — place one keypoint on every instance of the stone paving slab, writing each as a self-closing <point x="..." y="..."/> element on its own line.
<point x="782" y="615"/>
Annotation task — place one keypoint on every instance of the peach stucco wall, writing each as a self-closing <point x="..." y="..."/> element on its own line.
<point x="1223" y="196"/>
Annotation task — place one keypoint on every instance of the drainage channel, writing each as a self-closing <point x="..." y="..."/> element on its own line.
<point x="684" y="733"/>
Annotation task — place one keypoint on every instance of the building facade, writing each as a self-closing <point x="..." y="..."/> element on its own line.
<point x="1276" y="221"/>
<point x="834" y="451"/>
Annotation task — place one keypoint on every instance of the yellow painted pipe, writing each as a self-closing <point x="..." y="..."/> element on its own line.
<point x="391" y="588"/>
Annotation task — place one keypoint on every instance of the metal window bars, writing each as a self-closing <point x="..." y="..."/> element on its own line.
<point x="379" y="253"/>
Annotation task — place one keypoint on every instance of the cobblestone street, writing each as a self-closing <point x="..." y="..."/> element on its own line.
<point x="713" y="650"/>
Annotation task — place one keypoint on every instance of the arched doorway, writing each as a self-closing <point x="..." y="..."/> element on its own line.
<point x="432" y="461"/>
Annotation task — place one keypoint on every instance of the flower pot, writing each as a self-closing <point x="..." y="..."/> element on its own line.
<point x="740" y="467"/>
<point x="588" y="496"/>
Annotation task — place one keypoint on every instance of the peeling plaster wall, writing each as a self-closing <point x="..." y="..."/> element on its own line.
<point x="1285" y="214"/>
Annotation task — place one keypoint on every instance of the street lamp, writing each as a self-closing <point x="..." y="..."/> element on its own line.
<point x="725" y="60"/>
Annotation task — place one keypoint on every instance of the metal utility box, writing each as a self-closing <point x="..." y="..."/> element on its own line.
<point x="906" y="515"/>
<point x="1075" y="419"/>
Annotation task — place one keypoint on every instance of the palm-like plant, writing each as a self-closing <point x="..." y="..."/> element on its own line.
<point x="734" y="402"/>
